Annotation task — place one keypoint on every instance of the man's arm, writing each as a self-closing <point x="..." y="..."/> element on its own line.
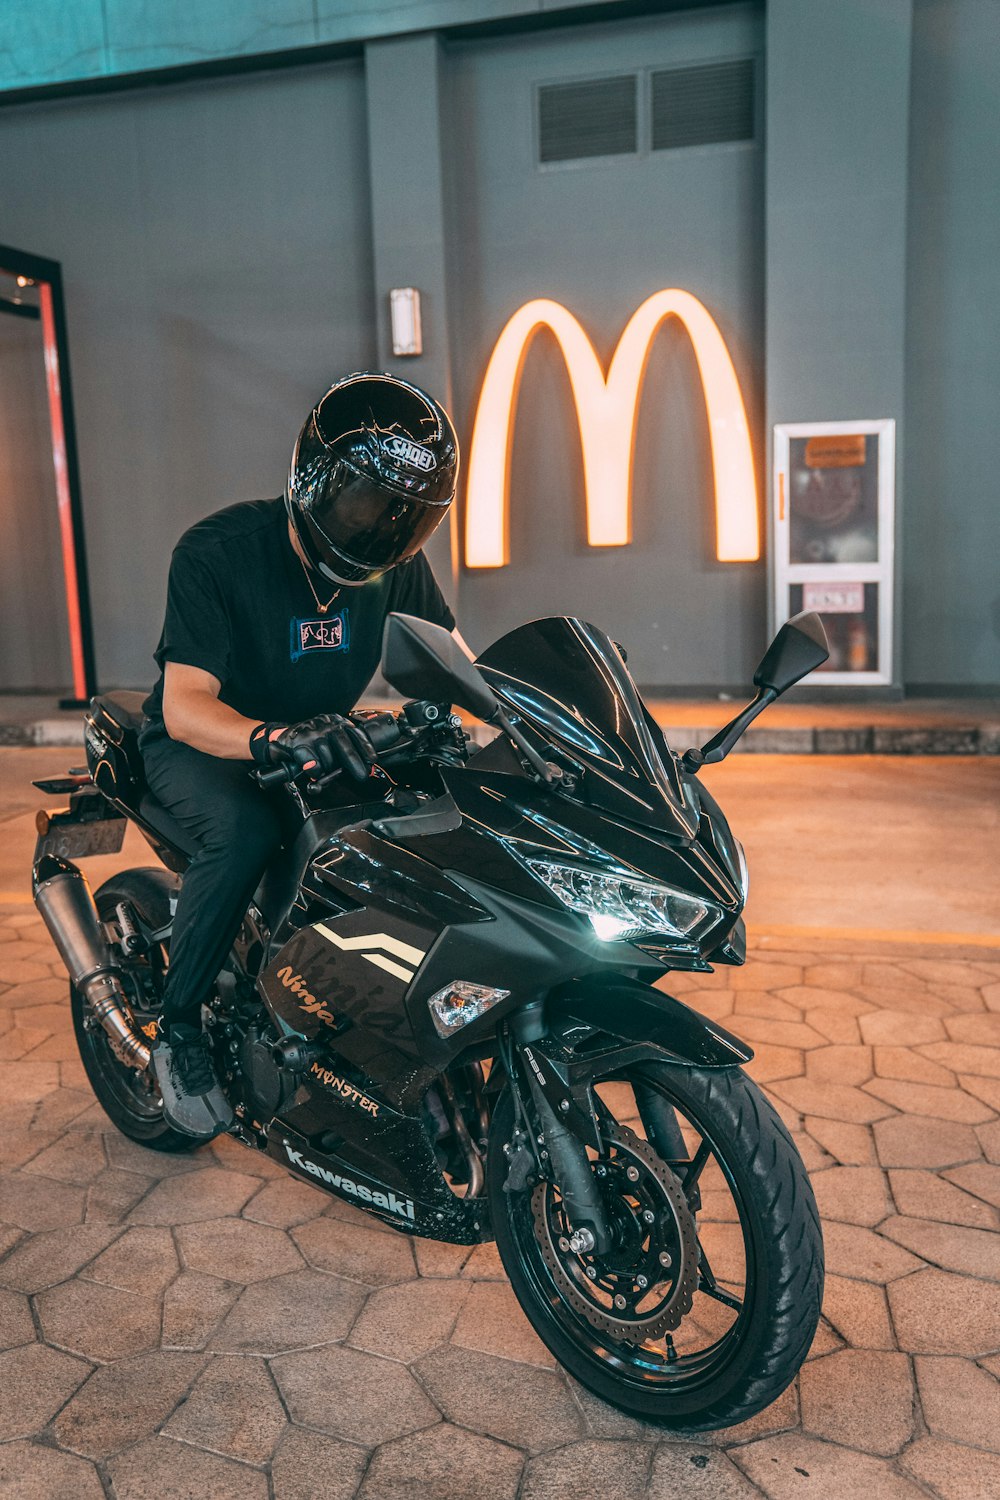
<point x="193" y="714"/>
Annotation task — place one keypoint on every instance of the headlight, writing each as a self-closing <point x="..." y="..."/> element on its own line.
<point x="620" y="908"/>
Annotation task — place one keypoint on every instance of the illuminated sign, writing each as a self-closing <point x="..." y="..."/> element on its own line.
<point x="606" y="412"/>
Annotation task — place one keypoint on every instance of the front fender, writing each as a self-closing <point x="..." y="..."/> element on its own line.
<point x="635" y="1012"/>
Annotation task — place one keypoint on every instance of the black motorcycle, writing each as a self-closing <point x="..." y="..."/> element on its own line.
<point x="445" y="1006"/>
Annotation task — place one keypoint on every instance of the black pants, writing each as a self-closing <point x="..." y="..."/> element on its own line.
<point x="238" y="829"/>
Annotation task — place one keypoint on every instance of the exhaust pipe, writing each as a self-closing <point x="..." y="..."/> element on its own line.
<point x="63" y="897"/>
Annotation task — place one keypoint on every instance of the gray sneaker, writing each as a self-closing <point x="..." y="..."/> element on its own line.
<point x="193" y="1101"/>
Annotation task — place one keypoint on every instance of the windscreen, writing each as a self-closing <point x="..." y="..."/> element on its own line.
<point x="569" y="681"/>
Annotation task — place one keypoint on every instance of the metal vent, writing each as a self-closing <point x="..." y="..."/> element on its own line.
<point x="596" y="118"/>
<point x="704" y="105"/>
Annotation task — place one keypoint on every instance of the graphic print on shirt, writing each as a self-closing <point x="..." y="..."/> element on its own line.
<point x="325" y="633"/>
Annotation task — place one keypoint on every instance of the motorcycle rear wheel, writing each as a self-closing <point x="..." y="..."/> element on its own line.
<point x="772" y="1313"/>
<point x="128" y="1097"/>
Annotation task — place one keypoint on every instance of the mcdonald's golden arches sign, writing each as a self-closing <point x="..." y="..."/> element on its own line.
<point x="606" y="411"/>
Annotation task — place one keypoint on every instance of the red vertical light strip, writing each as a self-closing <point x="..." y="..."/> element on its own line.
<point x="62" y="490"/>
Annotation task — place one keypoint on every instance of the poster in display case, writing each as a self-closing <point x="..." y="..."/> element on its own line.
<point x="834" y="524"/>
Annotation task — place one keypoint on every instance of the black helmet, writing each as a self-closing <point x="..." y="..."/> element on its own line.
<point x="373" y="473"/>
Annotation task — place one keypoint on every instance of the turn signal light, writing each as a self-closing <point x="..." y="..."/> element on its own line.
<point x="461" y="1002"/>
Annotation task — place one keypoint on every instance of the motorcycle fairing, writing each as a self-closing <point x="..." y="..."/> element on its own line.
<point x="401" y="1184"/>
<point x="569" y="682"/>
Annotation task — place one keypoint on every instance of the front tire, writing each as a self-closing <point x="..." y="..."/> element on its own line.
<point x="742" y="1368"/>
<point x="130" y="1098"/>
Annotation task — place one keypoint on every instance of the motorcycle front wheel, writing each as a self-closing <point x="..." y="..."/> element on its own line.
<point x="705" y="1306"/>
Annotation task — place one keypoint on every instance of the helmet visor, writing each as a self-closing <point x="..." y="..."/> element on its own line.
<point x="367" y="524"/>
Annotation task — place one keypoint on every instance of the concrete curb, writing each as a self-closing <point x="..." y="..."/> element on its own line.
<point x="871" y="739"/>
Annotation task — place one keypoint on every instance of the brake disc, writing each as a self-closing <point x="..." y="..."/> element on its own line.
<point x="580" y="1276"/>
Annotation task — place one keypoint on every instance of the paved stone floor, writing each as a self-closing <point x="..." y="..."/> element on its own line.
<point x="206" y="1327"/>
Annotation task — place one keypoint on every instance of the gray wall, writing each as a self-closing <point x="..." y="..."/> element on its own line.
<point x="216" y="251"/>
<point x="951" y="532"/>
<point x="838" y="99"/>
<point x="600" y="237"/>
<point x="228" y="247"/>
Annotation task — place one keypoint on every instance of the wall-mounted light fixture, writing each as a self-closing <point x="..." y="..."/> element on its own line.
<point x="606" y="413"/>
<point x="404" y="312"/>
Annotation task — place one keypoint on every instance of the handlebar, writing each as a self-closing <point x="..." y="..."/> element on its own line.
<point x="385" y="730"/>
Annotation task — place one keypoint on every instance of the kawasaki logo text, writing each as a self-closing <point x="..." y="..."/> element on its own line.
<point x="401" y="1207"/>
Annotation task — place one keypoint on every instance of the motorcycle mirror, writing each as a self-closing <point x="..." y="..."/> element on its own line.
<point x="799" y="647"/>
<point x="422" y="660"/>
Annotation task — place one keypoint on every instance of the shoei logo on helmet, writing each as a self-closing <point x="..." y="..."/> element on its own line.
<point x="406" y="452"/>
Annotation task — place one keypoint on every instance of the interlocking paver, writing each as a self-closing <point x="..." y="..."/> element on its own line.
<point x="696" y="1472"/>
<point x="38" y="1203"/>
<point x="303" y="1455"/>
<point x="853" y="1195"/>
<point x="929" y="1196"/>
<point x="960" y="1401"/>
<point x="859" y="1253"/>
<point x="850" y="1145"/>
<point x="35" y="1381"/>
<point x="352" y="1395"/>
<point x="285" y="1202"/>
<point x="858" y="1310"/>
<point x="530" y="1408"/>
<point x="443" y="1461"/>
<point x="921" y="1141"/>
<point x="978" y="1177"/>
<point x="860" y="1397"/>
<point x="403" y="1322"/>
<point x="193" y="1306"/>
<point x="592" y="1467"/>
<point x="952" y="1471"/>
<point x="492" y="1321"/>
<point x="194" y="1197"/>
<point x="45" y="1259"/>
<point x="779" y="1465"/>
<point x="368" y="1255"/>
<point x="98" y="1322"/>
<point x="905" y="1063"/>
<point x="141" y="1260"/>
<point x="163" y="1469"/>
<point x="948" y="1103"/>
<point x="295" y="1311"/>
<point x="233" y="1409"/>
<point x="16" y="1323"/>
<point x="937" y="1312"/>
<point x="961" y="1057"/>
<point x="373" y="1336"/>
<point x="30" y="1472"/>
<point x="974" y="1251"/>
<point x="124" y="1403"/>
<point x="236" y="1249"/>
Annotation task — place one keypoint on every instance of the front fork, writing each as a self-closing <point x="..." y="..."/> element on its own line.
<point x="567" y="1124"/>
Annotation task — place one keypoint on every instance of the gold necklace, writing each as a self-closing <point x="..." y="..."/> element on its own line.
<point x="321" y="607"/>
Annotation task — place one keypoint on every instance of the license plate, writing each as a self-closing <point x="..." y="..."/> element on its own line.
<point x="70" y="840"/>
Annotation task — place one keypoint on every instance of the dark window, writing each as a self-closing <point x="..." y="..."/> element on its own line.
<point x="704" y="105"/>
<point x="596" y="118"/>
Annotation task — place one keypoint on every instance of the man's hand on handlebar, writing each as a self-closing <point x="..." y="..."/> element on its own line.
<point x="320" y="747"/>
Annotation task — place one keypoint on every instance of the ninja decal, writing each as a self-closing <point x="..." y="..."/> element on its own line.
<point x="325" y="633"/>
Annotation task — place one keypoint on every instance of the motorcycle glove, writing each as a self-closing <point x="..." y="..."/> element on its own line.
<point x="325" y="744"/>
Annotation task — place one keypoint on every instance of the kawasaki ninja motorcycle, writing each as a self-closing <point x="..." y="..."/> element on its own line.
<point x="449" y="1005"/>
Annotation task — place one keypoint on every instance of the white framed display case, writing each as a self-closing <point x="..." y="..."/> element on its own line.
<point x="834" y="526"/>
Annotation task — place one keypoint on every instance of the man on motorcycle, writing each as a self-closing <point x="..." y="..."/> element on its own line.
<point x="273" y="630"/>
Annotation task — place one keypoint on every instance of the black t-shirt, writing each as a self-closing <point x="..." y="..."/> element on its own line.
<point x="239" y="606"/>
